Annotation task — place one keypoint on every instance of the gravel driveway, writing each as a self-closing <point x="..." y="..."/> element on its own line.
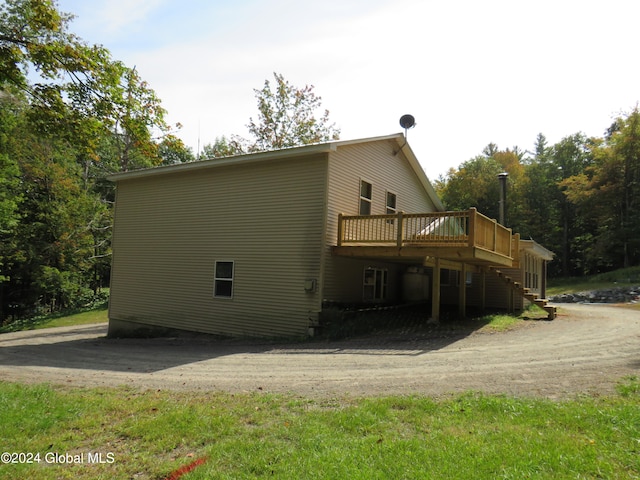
<point x="587" y="349"/>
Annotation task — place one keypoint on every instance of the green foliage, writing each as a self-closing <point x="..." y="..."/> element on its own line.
<point x="609" y="192"/>
<point x="154" y="433"/>
<point x="580" y="198"/>
<point x="287" y="117"/>
<point x="474" y="184"/>
<point x="69" y="115"/>
<point x="93" y="310"/>
<point x="224" y="147"/>
<point x="550" y="218"/>
<point x="615" y="278"/>
<point x="173" y="151"/>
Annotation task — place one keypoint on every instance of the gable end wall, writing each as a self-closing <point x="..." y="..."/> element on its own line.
<point x="377" y="163"/>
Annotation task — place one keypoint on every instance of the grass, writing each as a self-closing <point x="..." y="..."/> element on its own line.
<point x="98" y="315"/>
<point x="95" y="315"/>
<point x="503" y="323"/>
<point x="149" y="434"/>
<point x="617" y="278"/>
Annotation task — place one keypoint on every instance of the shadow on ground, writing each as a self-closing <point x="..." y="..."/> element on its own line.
<point x="390" y="332"/>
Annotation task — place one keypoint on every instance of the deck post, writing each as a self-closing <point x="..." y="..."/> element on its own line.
<point x="472" y="226"/>
<point x="462" y="292"/>
<point x="483" y="290"/>
<point x="515" y="247"/>
<point x="400" y="233"/>
<point x="340" y="229"/>
<point x="435" y="292"/>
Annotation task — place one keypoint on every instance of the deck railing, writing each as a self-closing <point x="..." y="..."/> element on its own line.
<point x="437" y="229"/>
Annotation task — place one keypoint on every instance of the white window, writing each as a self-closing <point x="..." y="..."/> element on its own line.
<point x="223" y="279"/>
<point x="365" y="197"/>
<point x="391" y="204"/>
<point x="375" y="284"/>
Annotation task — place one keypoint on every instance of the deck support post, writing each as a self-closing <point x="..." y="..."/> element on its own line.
<point x="462" y="292"/>
<point x="435" y="292"/>
<point x="483" y="290"/>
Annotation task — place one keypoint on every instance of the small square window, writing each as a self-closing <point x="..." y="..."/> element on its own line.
<point x="223" y="279"/>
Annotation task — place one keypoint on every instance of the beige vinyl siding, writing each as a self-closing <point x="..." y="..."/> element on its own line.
<point x="376" y="163"/>
<point x="498" y="292"/>
<point x="265" y="217"/>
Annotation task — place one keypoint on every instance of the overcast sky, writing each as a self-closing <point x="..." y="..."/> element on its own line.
<point x="471" y="72"/>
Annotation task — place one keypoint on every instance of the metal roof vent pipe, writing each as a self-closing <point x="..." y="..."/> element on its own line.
<point x="502" y="177"/>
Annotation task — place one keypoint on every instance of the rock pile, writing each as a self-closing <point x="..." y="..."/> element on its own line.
<point x="630" y="294"/>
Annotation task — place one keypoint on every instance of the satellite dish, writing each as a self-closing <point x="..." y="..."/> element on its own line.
<point x="407" y="121"/>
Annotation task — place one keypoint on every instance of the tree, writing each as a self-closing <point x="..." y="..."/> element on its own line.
<point x="224" y="147"/>
<point x="287" y="117"/>
<point x="40" y="57"/>
<point x="51" y="263"/>
<point x="608" y="191"/>
<point x="69" y="115"/>
<point x="172" y="150"/>
<point x="10" y="196"/>
<point x="78" y="90"/>
<point x="548" y="216"/>
<point x="475" y="184"/>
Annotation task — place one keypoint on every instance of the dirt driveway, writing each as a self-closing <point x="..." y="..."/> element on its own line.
<point x="588" y="348"/>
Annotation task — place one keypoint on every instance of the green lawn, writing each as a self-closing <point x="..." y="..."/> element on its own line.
<point x="83" y="318"/>
<point x="98" y="315"/>
<point x="149" y="434"/>
<point x="617" y="278"/>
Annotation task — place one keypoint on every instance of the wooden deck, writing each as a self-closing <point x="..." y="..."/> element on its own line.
<point x="466" y="237"/>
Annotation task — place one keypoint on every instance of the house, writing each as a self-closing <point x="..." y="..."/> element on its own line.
<point x="257" y="244"/>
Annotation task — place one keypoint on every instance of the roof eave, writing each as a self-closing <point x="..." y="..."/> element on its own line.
<point x="222" y="161"/>
<point x="537" y="249"/>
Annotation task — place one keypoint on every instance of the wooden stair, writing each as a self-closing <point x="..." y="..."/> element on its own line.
<point x="517" y="287"/>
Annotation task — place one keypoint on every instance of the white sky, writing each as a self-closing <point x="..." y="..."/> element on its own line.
<point x="471" y="72"/>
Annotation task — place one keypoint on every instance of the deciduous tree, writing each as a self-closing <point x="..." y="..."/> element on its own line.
<point x="287" y="117"/>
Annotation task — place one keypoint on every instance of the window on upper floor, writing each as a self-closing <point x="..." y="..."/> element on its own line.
<point x="365" y="197"/>
<point x="391" y="204"/>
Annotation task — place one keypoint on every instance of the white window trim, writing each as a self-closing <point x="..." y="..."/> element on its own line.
<point x="224" y="279"/>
